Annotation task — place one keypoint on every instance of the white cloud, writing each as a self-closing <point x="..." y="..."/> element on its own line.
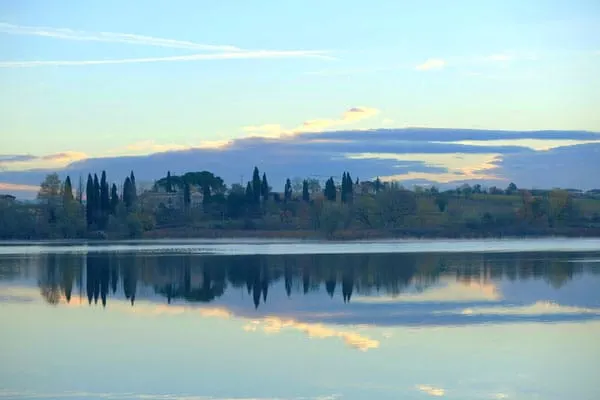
<point x="193" y="57"/>
<point x="111" y="37"/>
<point x="215" y="52"/>
<point x="431" y="64"/>
<point x="431" y="390"/>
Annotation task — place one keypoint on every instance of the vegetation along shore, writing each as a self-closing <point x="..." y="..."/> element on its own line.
<point x="200" y="204"/>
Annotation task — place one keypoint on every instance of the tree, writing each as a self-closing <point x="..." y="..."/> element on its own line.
<point x="89" y="201"/>
<point x="511" y="189"/>
<point x="314" y="186"/>
<point x="67" y="191"/>
<point x="128" y="196"/>
<point x="256" y="185"/>
<point x="264" y="187"/>
<point x="344" y="189"/>
<point x="441" y="202"/>
<point x="347" y="189"/>
<point x="114" y="199"/>
<point x="104" y="196"/>
<point x="297" y="185"/>
<point x="330" y="191"/>
<point x="249" y="193"/>
<point x="133" y="193"/>
<point x="395" y="205"/>
<point x="305" y="193"/>
<point x="378" y="185"/>
<point x="97" y="201"/>
<point x="80" y="190"/>
<point x="169" y="185"/>
<point x="287" y="191"/>
<point x="187" y="196"/>
<point x="49" y="195"/>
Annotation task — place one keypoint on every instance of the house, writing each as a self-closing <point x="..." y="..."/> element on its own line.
<point x="7" y="198"/>
<point x="151" y="200"/>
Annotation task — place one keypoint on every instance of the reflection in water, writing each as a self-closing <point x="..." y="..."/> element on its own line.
<point x="204" y="279"/>
<point x="466" y="326"/>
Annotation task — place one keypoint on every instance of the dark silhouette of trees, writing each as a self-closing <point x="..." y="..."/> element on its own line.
<point x="330" y="191"/>
<point x="90" y="205"/>
<point x="305" y="192"/>
<point x="264" y="187"/>
<point x="256" y="186"/>
<point x="287" y="192"/>
<point x="114" y="199"/>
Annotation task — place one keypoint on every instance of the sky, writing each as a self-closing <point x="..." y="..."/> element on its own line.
<point x="105" y="79"/>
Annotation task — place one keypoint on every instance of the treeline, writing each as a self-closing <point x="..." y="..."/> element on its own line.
<point x="201" y="204"/>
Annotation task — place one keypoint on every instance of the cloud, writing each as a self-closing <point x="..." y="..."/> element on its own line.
<point x="208" y="51"/>
<point x="411" y="155"/>
<point x="15" y="187"/>
<point x="56" y="160"/>
<point x="15" y="157"/>
<point x="318" y="331"/>
<point x="448" y="289"/>
<point x="431" y="64"/>
<point x="431" y="390"/>
<point x="351" y="116"/>
<point x="110" y="37"/>
<point x="194" y="57"/>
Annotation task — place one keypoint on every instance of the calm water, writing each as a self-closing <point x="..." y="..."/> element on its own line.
<point x="197" y="320"/>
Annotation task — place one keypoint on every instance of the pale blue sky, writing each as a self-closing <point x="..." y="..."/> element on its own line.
<point x="504" y="65"/>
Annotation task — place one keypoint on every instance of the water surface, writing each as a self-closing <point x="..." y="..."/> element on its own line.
<point x="291" y="320"/>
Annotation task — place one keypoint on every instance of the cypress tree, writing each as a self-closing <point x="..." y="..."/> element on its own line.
<point x="305" y="193"/>
<point x="97" y="204"/>
<point x="330" y="190"/>
<point x="349" y="188"/>
<point x="104" y="195"/>
<point x="187" y="196"/>
<point x="264" y="187"/>
<point x="249" y="193"/>
<point x="89" y="200"/>
<point x="114" y="199"/>
<point x="133" y="188"/>
<point x="67" y="191"/>
<point x="127" y="194"/>
<point x="378" y="185"/>
<point x="169" y="187"/>
<point x="256" y="185"/>
<point x="287" y="193"/>
<point x="80" y="190"/>
<point x="344" y="190"/>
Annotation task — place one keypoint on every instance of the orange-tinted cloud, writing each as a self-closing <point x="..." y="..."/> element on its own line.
<point x="351" y="116"/>
<point x="14" y="187"/>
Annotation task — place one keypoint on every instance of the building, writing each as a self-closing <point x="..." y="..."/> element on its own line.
<point x="153" y="199"/>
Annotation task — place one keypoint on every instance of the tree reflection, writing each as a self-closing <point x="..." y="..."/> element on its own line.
<point x="204" y="278"/>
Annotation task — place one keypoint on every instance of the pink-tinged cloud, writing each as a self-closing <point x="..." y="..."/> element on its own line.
<point x="15" y="187"/>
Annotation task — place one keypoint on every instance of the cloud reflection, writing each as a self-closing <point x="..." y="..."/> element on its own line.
<point x="431" y="390"/>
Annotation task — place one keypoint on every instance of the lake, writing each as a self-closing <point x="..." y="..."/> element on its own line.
<point x="254" y="319"/>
